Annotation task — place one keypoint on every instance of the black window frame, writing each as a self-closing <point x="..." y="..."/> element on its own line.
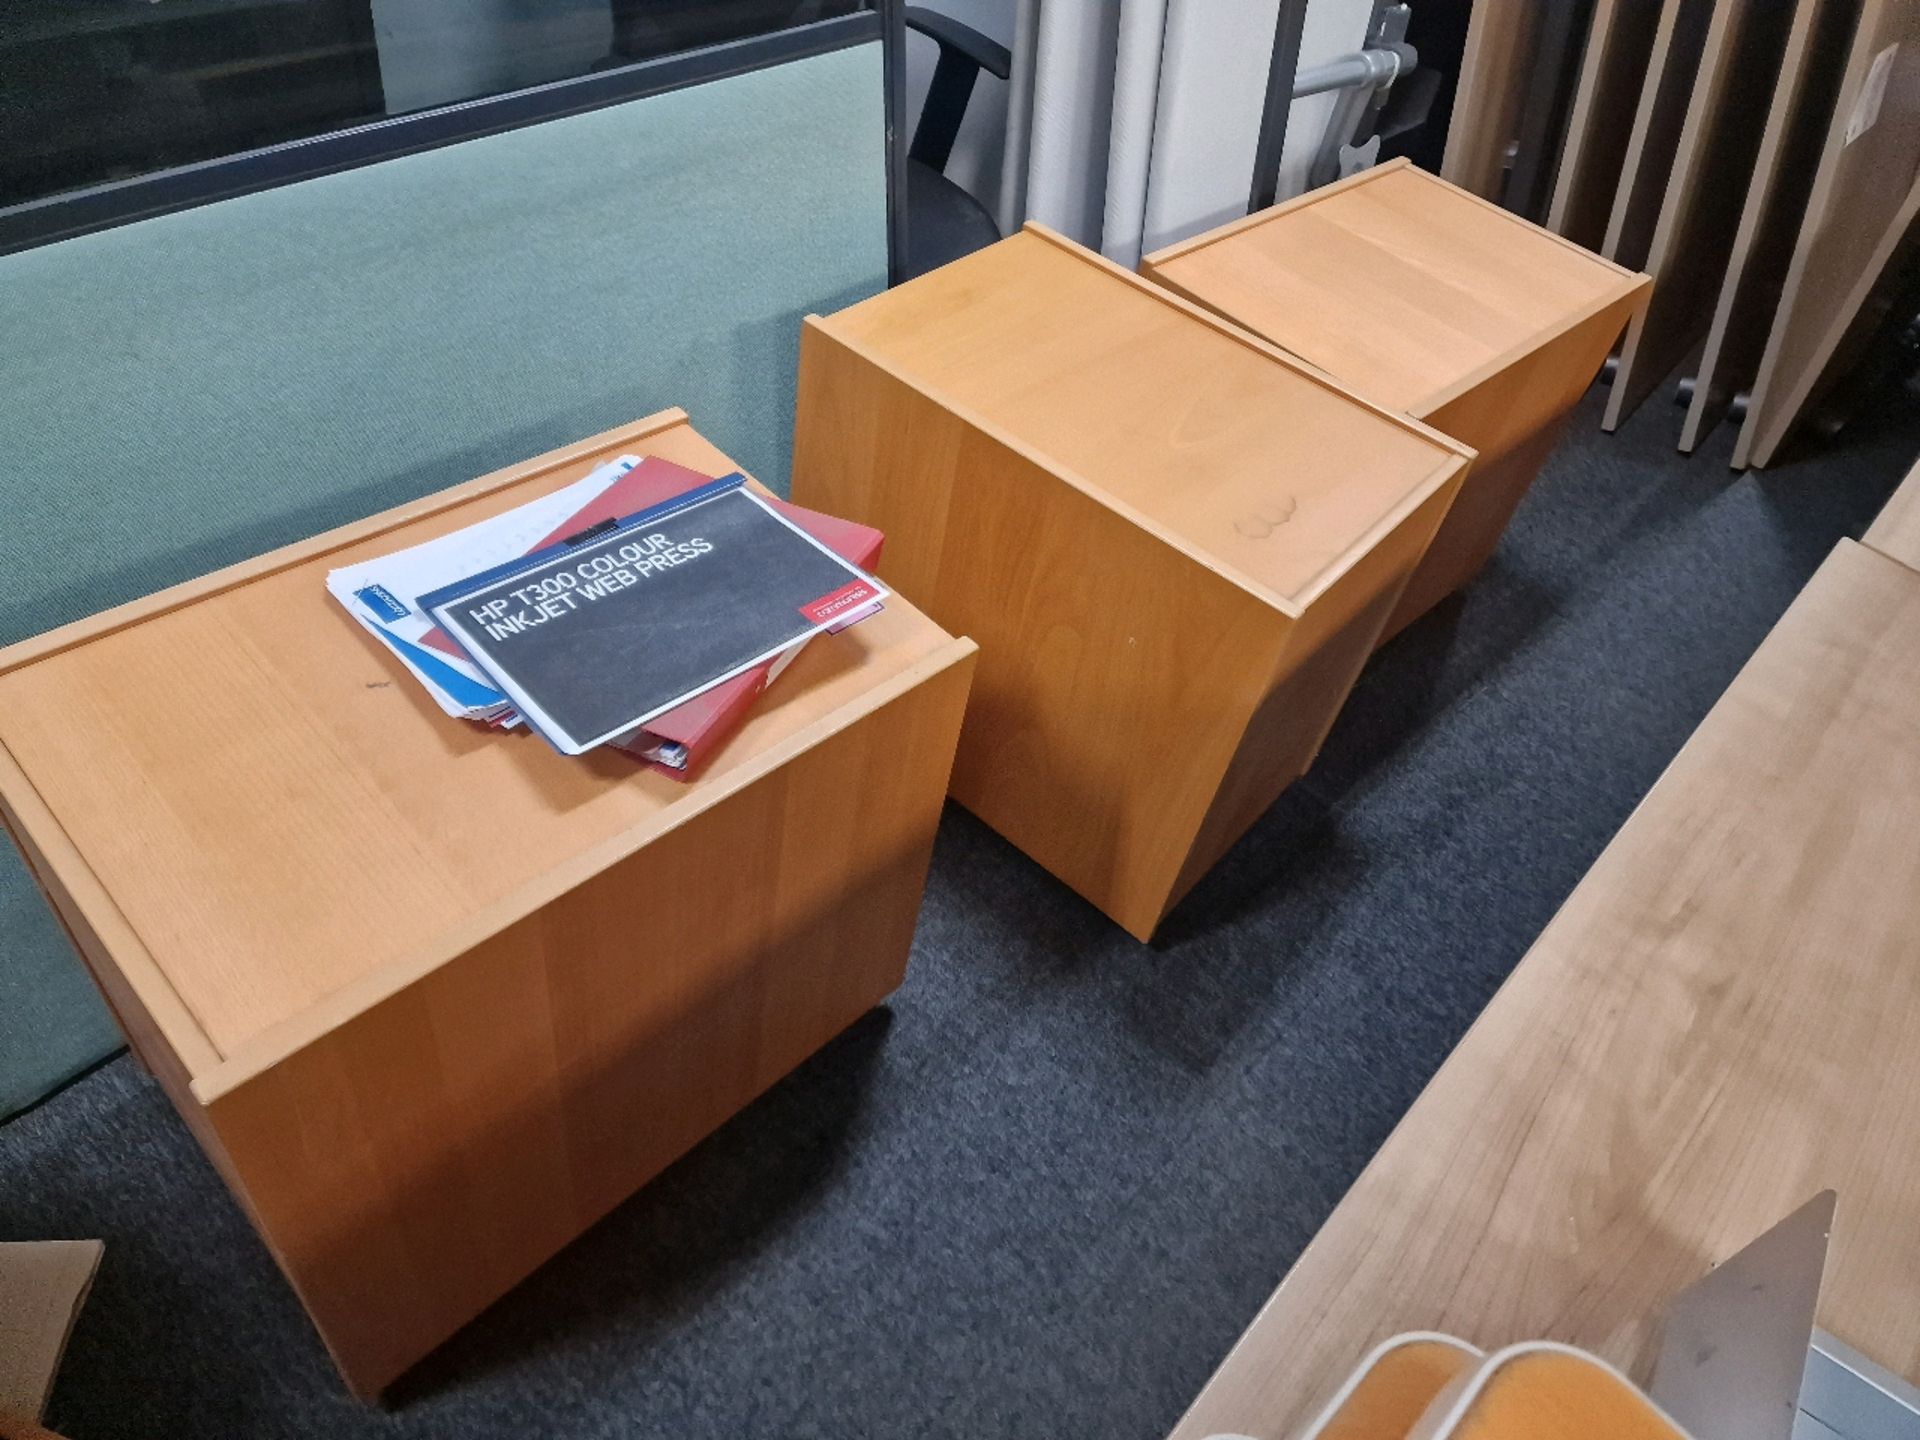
<point x="118" y="202"/>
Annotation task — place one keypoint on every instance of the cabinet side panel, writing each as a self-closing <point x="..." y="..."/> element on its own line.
<point x="1618" y="44"/>
<point x="415" y="1163"/>
<point x="1513" y="418"/>
<point x="1865" y="203"/>
<point x="1492" y="87"/>
<point x="130" y="1017"/>
<point x="1325" y="653"/>
<point x="1804" y="101"/>
<point x="1667" y="85"/>
<point x="845" y="418"/>
<point x="1706" y="189"/>
<point x="1116" y="674"/>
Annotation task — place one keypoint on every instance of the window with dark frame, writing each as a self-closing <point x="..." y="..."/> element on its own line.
<point x="98" y="91"/>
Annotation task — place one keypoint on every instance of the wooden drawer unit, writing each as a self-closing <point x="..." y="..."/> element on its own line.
<point x="435" y="999"/>
<point x="1174" y="544"/>
<point x="1430" y="301"/>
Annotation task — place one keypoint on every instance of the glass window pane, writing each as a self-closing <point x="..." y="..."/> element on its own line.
<point x="99" y="90"/>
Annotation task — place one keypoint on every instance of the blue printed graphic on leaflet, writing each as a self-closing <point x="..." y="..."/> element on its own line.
<point x="382" y="602"/>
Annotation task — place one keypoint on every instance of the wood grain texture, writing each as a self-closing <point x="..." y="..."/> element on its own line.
<point x="1174" y="544"/>
<point x="1705" y="192"/>
<point x="1895" y="531"/>
<point x="1517" y="413"/>
<point x="1612" y="69"/>
<point x="1719" y="1023"/>
<point x="1428" y="299"/>
<point x="1451" y="287"/>
<point x="274" y="929"/>
<point x="1807" y="89"/>
<point x="1666" y="88"/>
<point x="1300" y="698"/>
<point x="1864" y="202"/>
<point x="565" y="1061"/>
<point x="1489" y="95"/>
<point x="433" y="998"/>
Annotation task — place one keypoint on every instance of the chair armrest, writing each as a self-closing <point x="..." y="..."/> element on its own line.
<point x="964" y="53"/>
<point x="957" y="36"/>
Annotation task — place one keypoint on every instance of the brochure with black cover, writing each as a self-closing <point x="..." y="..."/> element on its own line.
<point x="614" y="626"/>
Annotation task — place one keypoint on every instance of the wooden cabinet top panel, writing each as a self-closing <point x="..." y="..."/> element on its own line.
<point x="272" y="815"/>
<point x="1722" y="1021"/>
<point x="1406" y="287"/>
<point x="1249" y="460"/>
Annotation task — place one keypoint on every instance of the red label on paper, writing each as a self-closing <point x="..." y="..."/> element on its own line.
<point x="850" y="596"/>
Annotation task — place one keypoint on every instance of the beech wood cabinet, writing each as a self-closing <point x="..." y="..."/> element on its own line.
<point x="1174" y="543"/>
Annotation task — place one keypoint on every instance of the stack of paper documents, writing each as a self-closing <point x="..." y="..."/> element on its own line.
<point x="644" y="607"/>
<point x="380" y="593"/>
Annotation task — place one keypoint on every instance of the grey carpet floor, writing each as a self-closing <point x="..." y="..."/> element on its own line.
<point x="1043" y="1190"/>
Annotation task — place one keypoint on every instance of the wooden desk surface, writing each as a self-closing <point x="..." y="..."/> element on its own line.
<point x="1895" y="531"/>
<point x="1406" y="287"/>
<point x="278" y="825"/>
<point x="1213" y="440"/>
<point x="1722" y="1020"/>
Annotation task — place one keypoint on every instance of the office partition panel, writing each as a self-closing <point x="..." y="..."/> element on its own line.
<point x="185" y="391"/>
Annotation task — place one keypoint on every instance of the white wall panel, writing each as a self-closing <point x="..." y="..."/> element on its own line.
<point x="1333" y="28"/>
<point x="1130" y="152"/>
<point x="1213" y="85"/>
<point x="1072" y="108"/>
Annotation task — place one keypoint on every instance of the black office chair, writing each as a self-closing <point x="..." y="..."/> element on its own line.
<point x="944" y="222"/>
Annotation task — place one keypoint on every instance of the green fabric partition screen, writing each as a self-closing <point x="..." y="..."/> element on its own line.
<point x="183" y="392"/>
